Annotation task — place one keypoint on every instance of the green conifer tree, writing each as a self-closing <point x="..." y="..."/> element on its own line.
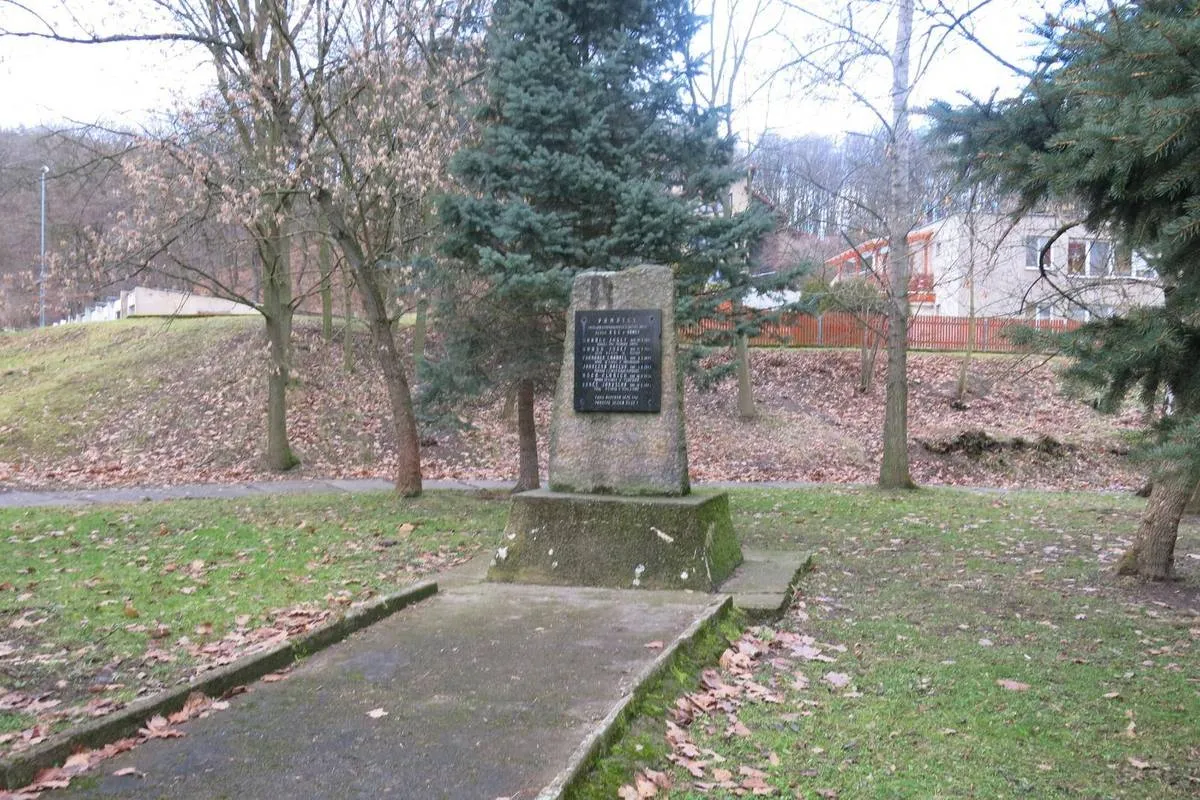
<point x="1111" y="122"/>
<point x="589" y="158"/>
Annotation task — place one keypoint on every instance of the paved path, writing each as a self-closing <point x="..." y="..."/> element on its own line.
<point x="16" y="498"/>
<point x="489" y="690"/>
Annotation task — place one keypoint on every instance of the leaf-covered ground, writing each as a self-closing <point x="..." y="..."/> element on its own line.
<point x="101" y="606"/>
<point x="149" y="402"/>
<point x="947" y="644"/>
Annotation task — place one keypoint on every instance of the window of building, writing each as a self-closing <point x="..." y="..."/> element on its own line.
<point x="1039" y="310"/>
<point x="1099" y="256"/>
<point x="1076" y="256"/>
<point x="1123" y="261"/>
<point x="1033" y="251"/>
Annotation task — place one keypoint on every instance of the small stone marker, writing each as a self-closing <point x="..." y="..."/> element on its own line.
<point x="617" y="425"/>
<point x="619" y="511"/>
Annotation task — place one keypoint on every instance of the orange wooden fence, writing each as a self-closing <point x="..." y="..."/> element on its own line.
<point x="837" y="329"/>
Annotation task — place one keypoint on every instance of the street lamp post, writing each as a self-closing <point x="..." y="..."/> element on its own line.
<point x="42" y="258"/>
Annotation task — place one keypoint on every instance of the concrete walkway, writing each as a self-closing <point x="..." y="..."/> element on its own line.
<point x="490" y="691"/>
<point x="18" y="498"/>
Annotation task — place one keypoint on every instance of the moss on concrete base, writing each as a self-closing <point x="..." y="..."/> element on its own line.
<point x="622" y="542"/>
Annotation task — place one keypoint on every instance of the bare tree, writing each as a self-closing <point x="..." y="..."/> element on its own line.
<point x="347" y="105"/>
<point x="851" y="45"/>
<point x="735" y="28"/>
<point x="385" y="122"/>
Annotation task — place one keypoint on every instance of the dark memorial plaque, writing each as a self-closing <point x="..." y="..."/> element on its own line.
<point x="618" y="360"/>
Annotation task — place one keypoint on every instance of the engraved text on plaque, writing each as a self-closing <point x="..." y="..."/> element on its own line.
<point x="618" y="360"/>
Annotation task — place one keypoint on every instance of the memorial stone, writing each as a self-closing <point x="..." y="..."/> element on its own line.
<point x="619" y="511"/>
<point x="617" y="425"/>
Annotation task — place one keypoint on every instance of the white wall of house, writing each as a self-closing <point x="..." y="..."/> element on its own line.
<point x="998" y="259"/>
<point x="143" y="302"/>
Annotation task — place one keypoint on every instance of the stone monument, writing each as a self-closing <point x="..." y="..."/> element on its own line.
<point x="619" y="511"/>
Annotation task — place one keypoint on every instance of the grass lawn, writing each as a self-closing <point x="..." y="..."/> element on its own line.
<point x="100" y="605"/>
<point x="948" y="644"/>
<point x="59" y="383"/>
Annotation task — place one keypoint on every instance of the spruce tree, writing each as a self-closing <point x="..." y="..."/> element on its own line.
<point x="588" y="158"/>
<point x="1111" y="122"/>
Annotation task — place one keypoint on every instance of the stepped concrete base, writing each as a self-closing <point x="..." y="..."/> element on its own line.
<point x="618" y="541"/>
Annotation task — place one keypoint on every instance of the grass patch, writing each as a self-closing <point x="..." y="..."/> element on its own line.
<point x="938" y="595"/>
<point x="106" y="603"/>
<point x="60" y="384"/>
<point x="640" y="736"/>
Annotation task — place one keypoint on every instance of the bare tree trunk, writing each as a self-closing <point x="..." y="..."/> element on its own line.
<point x="418" y="341"/>
<point x="279" y="453"/>
<point x="1152" y="554"/>
<point x="508" y="411"/>
<point x="868" y="350"/>
<point x="325" y="265"/>
<point x="893" y="471"/>
<point x="383" y="341"/>
<point x="1193" y="506"/>
<point x="745" y="397"/>
<point x="404" y="421"/>
<point x="348" y="323"/>
<point x="527" y="472"/>
<point x="964" y="369"/>
<point x="277" y="314"/>
<point x="960" y="394"/>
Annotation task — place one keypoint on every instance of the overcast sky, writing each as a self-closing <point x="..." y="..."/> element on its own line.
<point x="45" y="83"/>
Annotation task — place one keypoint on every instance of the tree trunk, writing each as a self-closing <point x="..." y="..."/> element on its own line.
<point x="527" y="472"/>
<point x="868" y="350"/>
<point x="404" y="421"/>
<point x="279" y="453"/>
<point x="383" y="341"/>
<point x="964" y="369"/>
<point x="348" y="323"/>
<point x="325" y="265"/>
<point x="1152" y="554"/>
<point x="418" y="341"/>
<point x="277" y="313"/>
<point x="745" y="397"/>
<point x="893" y="471"/>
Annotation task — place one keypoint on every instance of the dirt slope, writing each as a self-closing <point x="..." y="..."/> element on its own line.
<point x="147" y="403"/>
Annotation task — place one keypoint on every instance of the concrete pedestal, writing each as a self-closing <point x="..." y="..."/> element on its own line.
<point x="618" y="541"/>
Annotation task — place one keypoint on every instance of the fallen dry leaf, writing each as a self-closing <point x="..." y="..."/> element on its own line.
<point x="838" y="680"/>
<point x="1012" y="686"/>
<point x="157" y="727"/>
<point x="77" y="762"/>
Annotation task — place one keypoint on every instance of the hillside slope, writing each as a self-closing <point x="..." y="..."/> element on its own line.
<point x="151" y="402"/>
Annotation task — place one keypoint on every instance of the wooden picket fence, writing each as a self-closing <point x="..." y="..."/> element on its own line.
<point x="838" y="329"/>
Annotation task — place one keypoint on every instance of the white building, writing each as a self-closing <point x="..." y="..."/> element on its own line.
<point x="143" y="302"/>
<point x="987" y="264"/>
